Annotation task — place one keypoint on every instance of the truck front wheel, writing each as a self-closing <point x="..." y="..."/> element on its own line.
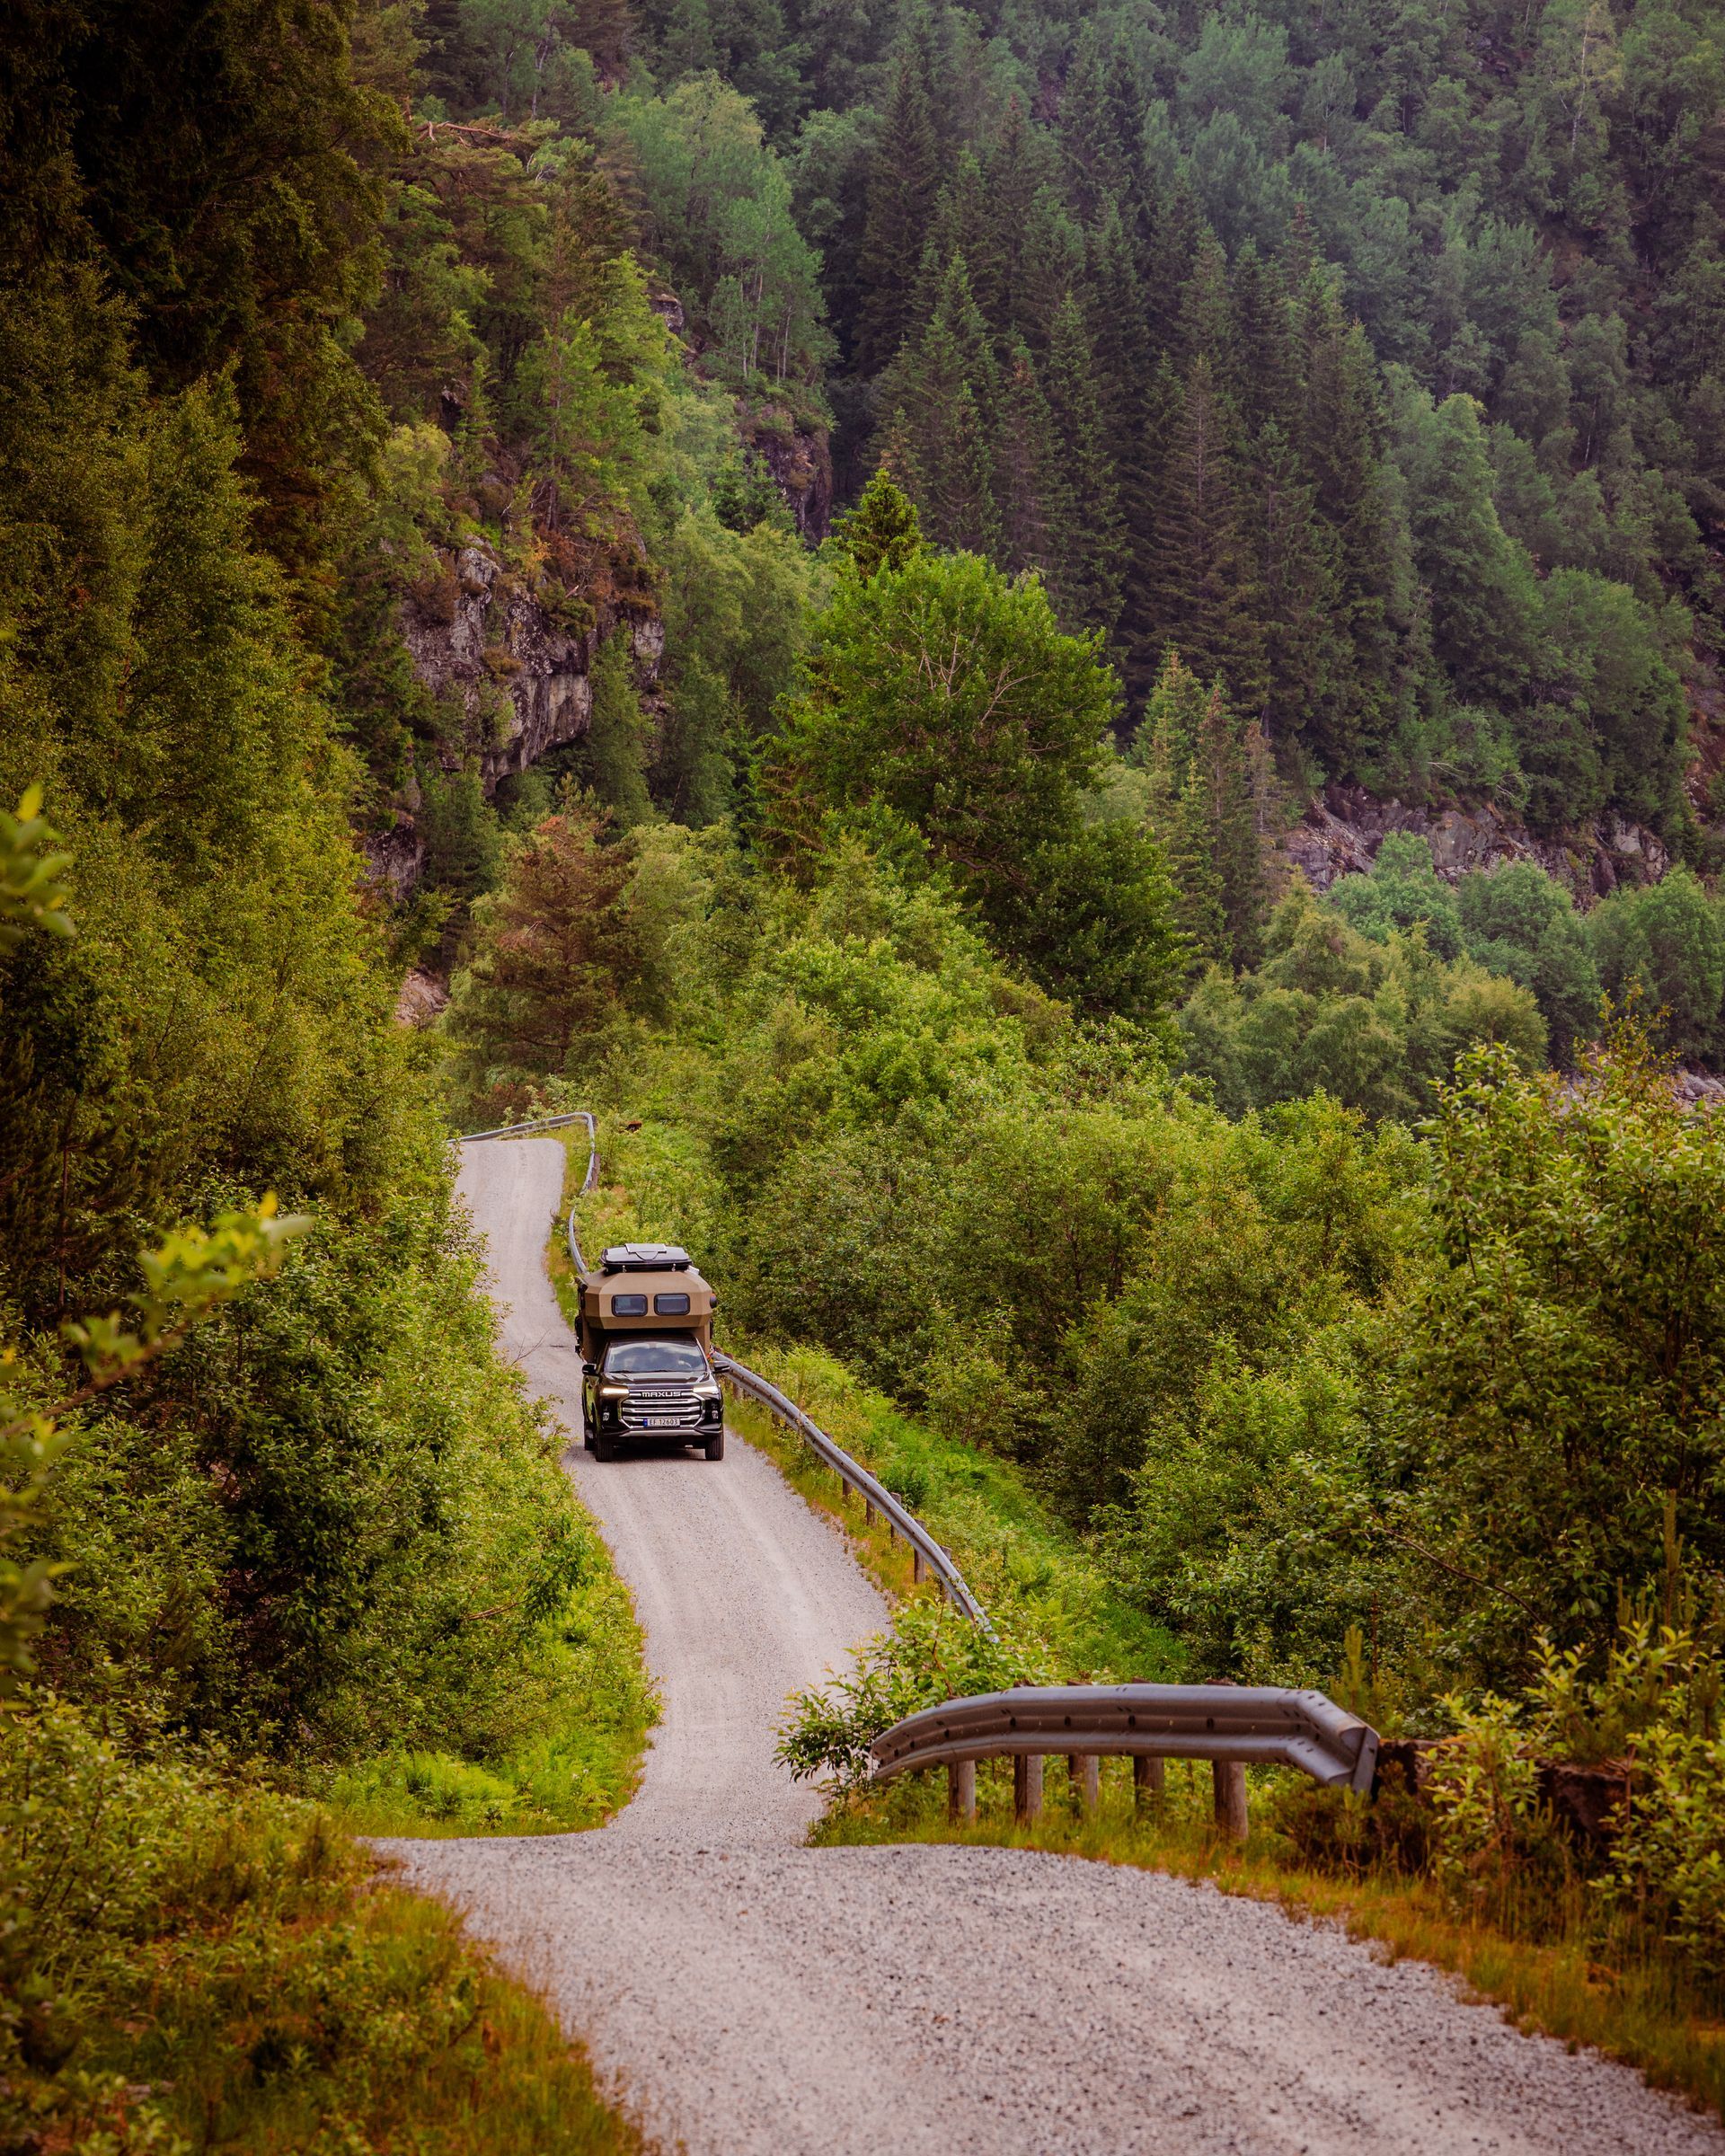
<point x="715" y="1445"/>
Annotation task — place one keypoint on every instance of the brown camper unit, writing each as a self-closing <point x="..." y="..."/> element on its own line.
<point x="645" y="1339"/>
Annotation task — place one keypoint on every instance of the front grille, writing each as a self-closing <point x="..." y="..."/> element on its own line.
<point x="657" y="1401"/>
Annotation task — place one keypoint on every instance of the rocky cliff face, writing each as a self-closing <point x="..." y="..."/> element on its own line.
<point x="512" y="668"/>
<point x="518" y="665"/>
<point x="802" y="464"/>
<point x="1341" y="831"/>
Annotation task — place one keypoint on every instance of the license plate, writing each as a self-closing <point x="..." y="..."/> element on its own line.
<point x="660" y="1422"/>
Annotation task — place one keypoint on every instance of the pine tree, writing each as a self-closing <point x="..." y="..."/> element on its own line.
<point x="1096" y="565"/>
<point x="1308" y="659"/>
<point x="903" y="183"/>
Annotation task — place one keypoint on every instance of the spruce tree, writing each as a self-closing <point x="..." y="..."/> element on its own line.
<point x="944" y="392"/>
<point x="1339" y="443"/>
<point x="883" y="531"/>
<point x="1207" y="326"/>
<point x="1208" y="804"/>
<point x="1195" y="568"/>
<point x="964" y="223"/>
<point x="1050" y="262"/>
<point x="1095" y="567"/>
<point x="904" y="180"/>
<point x="1223" y="819"/>
<point x="1038" y="529"/>
<point x="1114" y="315"/>
<point x="1018" y="164"/>
<point x="1090" y="142"/>
<point x="1308" y="657"/>
<point x="1267" y="376"/>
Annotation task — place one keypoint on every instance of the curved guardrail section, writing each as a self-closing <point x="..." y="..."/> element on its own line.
<point x="1249" y="1724"/>
<point x="929" y="1558"/>
<point x="525" y="1130"/>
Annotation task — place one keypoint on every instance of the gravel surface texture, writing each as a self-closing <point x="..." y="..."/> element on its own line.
<point x="748" y="1997"/>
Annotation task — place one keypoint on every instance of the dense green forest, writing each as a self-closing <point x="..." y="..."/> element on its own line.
<point x="802" y="565"/>
<point x="1368" y="359"/>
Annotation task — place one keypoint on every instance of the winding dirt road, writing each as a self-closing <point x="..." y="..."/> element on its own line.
<point x="749" y="1997"/>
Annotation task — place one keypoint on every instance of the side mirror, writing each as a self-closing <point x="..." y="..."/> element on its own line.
<point x="589" y="1369"/>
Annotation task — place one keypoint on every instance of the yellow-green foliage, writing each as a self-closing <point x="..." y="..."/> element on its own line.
<point x="187" y="1962"/>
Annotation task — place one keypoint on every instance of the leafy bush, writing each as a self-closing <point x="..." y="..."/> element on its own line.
<point x="192" y="1961"/>
<point x="1377" y="1025"/>
<point x="929" y="1653"/>
<point x="331" y="1525"/>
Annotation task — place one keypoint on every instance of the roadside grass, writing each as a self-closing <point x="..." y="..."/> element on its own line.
<point x="1551" y="1967"/>
<point x="211" y="1965"/>
<point x="576" y="1775"/>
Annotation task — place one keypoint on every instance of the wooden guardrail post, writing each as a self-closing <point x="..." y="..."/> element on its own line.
<point x="1228" y="1782"/>
<point x="1084" y="1772"/>
<point x="961" y="1790"/>
<point x="1027" y="1788"/>
<point x="917" y="1566"/>
<point x="1229" y="1777"/>
<point x="1149" y="1780"/>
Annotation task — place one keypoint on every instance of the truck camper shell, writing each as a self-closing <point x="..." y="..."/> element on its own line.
<point x="645" y="1287"/>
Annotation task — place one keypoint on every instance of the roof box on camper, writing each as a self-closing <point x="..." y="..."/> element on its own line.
<point x="645" y="1257"/>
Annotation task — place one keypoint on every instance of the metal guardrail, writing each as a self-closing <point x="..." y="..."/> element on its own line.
<point x="525" y="1130"/>
<point x="1233" y="1726"/>
<point x="927" y="1556"/>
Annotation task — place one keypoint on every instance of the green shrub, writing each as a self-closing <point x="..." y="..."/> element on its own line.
<point x="189" y="1960"/>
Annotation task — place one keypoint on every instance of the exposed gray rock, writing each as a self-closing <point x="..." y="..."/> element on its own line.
<point x="801" y="465"/>
<point x="520" y="674"/>
<point x="1342" y="830"/>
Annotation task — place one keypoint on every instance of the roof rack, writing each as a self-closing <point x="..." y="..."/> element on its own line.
<point x="645" y="1257"/>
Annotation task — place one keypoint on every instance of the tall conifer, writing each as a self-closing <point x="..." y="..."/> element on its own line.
<point x="1196" y="568"/>
<point x="1095" y="567"/>
<point x="904" y="180"/>
<point x="1036" y="500"/>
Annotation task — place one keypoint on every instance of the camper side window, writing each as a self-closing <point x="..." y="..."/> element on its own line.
<point x="628" y="1306"/>
<point x="671" y="1306"/>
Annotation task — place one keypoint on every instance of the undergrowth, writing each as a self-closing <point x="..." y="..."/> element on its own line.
<point x="191" y="1962"/>
<point x="573" y="1774"/>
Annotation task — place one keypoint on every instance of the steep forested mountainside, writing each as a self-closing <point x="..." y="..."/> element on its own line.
<point x="1369" y="354"/>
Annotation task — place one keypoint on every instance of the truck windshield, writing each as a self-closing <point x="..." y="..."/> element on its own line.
<point x="654" y="1358"/>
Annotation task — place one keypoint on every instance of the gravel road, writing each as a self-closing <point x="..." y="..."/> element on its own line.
<point x="749" y="1997"/>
